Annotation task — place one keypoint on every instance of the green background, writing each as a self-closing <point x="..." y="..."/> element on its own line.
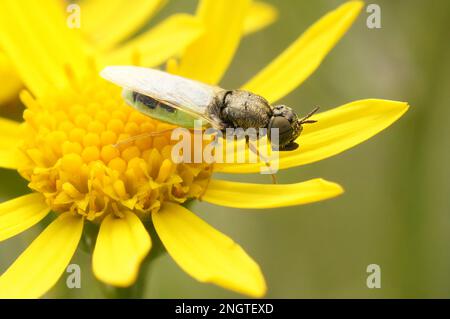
<point x="396" y="208"/>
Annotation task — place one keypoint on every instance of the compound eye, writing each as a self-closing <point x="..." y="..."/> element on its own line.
<point x="282" y="124"/>
<point x="284" y="130"/>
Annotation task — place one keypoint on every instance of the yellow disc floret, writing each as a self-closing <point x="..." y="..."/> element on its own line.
<point x="80" y="153"/>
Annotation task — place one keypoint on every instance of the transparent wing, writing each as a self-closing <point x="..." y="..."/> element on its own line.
<point x="186" y="95"/>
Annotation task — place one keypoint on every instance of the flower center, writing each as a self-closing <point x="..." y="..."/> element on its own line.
<point x="72" y="158"/>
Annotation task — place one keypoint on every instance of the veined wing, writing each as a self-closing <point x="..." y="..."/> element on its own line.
<point x="184" y="94"/>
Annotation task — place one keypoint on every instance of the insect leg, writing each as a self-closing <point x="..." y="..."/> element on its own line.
<point x="214" y="142"/>
<point x="264" y="159"/>
<point x="136" y="137"/>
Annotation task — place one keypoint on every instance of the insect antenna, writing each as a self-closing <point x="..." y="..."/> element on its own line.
<point x="136" y="137"/>
<point x="305" y="120"/>
<point x="308" y="122"/>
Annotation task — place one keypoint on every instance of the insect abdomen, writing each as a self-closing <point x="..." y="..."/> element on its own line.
<point x="157" y="110"/>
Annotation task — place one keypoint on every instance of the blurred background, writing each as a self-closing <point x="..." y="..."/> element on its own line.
<point x="396" y="208"/>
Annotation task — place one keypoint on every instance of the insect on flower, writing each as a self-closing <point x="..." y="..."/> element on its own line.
<point x="181" y="101"/>
<point x="65" y="148"/>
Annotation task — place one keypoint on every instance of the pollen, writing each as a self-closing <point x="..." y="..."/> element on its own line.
<point x="79" y="152"/>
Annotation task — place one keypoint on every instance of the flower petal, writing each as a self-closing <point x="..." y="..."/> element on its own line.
<point x="10" y="80"/>
<point x="122" y="244"/>
<point x="336" y="131"/>
<point x="208" y="58"/>
<point x="205" y="253"/>
<point x="257" y="196"/>
<point x="8" y="159"/>
<point x="10" y="135"/>
<point x="303" y="57"/>
<point x="260" y="15"/>
<point x="39" y="267"/>
<point x="154" y="47"/>
<point x="108" y="22"/>
<point x="41" y="49"/>
<point x="19" y="214"/>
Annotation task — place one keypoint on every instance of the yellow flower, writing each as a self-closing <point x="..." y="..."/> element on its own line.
<point x="10" y="80"/>
<point x="106" y="24"/>
<point x="75" y="117"/>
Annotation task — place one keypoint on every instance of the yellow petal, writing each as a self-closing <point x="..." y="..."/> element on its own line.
<point x="256" y="196"/>
<point x="40" y="48"/>
<point x="208" y="58"/>
<point x="8" y="159"/>
<point x="205" y="253"/>
<point x="39" y="267"/>
<point x="10" y="133"/>
<point x="122" y="244"/>
<point x="154" y="47"/>
<point x="10" y="80"/>
<point x="19" y="214"/>
<point x="10" y="136"/>
<point x="259" y="16"/>
<point x="336" y="131"/>
<point x="303" y="57"/>
<point x="108" y="22"/>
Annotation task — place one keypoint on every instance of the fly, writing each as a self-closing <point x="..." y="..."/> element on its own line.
<point x="181" y="101"/>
